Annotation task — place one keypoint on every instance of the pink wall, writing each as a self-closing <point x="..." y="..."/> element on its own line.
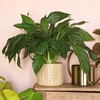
<point x="10" y="11"/>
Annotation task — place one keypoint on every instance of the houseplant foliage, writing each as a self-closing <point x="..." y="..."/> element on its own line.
<point x="30" y="95"/>
<point x="6" y="92"/>
<point x="96" y="47"/>
<point x="51" y="37"/>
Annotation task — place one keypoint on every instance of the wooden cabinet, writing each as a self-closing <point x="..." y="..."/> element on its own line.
<point x="69" y="92"/>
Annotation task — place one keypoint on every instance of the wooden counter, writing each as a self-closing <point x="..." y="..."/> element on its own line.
<point x="69" y="92"/>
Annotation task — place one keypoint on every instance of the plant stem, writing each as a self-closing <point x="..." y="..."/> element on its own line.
<point x="48" y="56"/>
<point x="58" y="36"/>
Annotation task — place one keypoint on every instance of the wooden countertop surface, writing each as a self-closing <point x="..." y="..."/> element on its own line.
<point x="68" y="88"/>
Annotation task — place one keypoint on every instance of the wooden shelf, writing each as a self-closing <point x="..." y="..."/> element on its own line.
<point x="68" y="87"/>
<point x="69" y="92"/>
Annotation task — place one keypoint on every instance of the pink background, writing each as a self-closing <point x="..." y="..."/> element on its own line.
<point x="10" y="10"/>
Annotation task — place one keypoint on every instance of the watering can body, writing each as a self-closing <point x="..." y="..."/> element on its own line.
<point x="80" y="78"/>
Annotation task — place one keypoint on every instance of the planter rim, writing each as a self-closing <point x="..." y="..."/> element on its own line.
<point x="52" y="63"/>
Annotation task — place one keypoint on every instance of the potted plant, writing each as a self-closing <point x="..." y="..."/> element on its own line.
<point x="96" y="47"/>
<point x="51" y="37"/>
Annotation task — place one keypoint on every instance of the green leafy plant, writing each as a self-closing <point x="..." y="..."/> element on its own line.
<point x="96" y="31"/>
<point x="30" y="95"/>
<point x="96" y="47"/>
<point x="6" y="92"/>
<point x="51" y="37"/>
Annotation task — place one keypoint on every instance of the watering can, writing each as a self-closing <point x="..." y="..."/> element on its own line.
<point x="79" y="77"/>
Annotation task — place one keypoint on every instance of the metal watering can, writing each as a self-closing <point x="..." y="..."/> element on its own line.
<point x="80" y="78"/>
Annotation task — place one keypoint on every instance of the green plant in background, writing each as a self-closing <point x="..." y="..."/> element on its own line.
<point x="30" y="95"/>
<point x="6" y="92"/>
<point x="96" y="47"/>
<point x="51" y="37"/>
<point x="96" y="31"/>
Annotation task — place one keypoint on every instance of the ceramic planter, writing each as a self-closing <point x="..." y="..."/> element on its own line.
<point x="50" y="75"/>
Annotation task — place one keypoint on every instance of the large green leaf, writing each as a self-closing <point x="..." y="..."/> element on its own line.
<point x="1" y="85"/>
<point x="37" y="63"/>
<point x="62" y="25"/>
<point x="44" y="25"/>
<point x="57" y="16"/>
<point x="52" y="34"/>
<point x="62" y="28"/>
<point x="26" y="26"/>
<point x="6" y="92"/>
<point x="82" y="57"/>
<point x="30" y="95"/>
<point x="84" y="35"/>
<point x="73" y="39"/>
<point x="31" y="47"/>
<point x="1" y="97"/>
<point x="14" y="46"/>
<point x="18" y="61"/>
<point x="37" y="96"/>
<point x="4" y="84"/>
<point x="53" y="43"/>
<point x="79" y="23"/>
<point x="42" y="47"/>
<point x="27" y="19"/>
<point x="8" y="95"/>
<point x="63" y="48"/>
<point x="7" y="85"/>
<point x="96" y="31"/>
<point x="92" y="55"/>
<point x="10" y="44"/>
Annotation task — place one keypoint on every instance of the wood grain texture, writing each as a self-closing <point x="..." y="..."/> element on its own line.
<point x="43" y="95"/>
<point x="72" y="96"/>
<point x="70" y="92"/>
<point x="50" y="75"/>
<point x="68" y="87"/>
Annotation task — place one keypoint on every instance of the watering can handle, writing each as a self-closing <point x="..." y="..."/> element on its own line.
<point x="68" y="63"/>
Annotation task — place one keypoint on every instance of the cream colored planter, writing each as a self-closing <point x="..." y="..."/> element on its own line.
<point x="50" y="75"/>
